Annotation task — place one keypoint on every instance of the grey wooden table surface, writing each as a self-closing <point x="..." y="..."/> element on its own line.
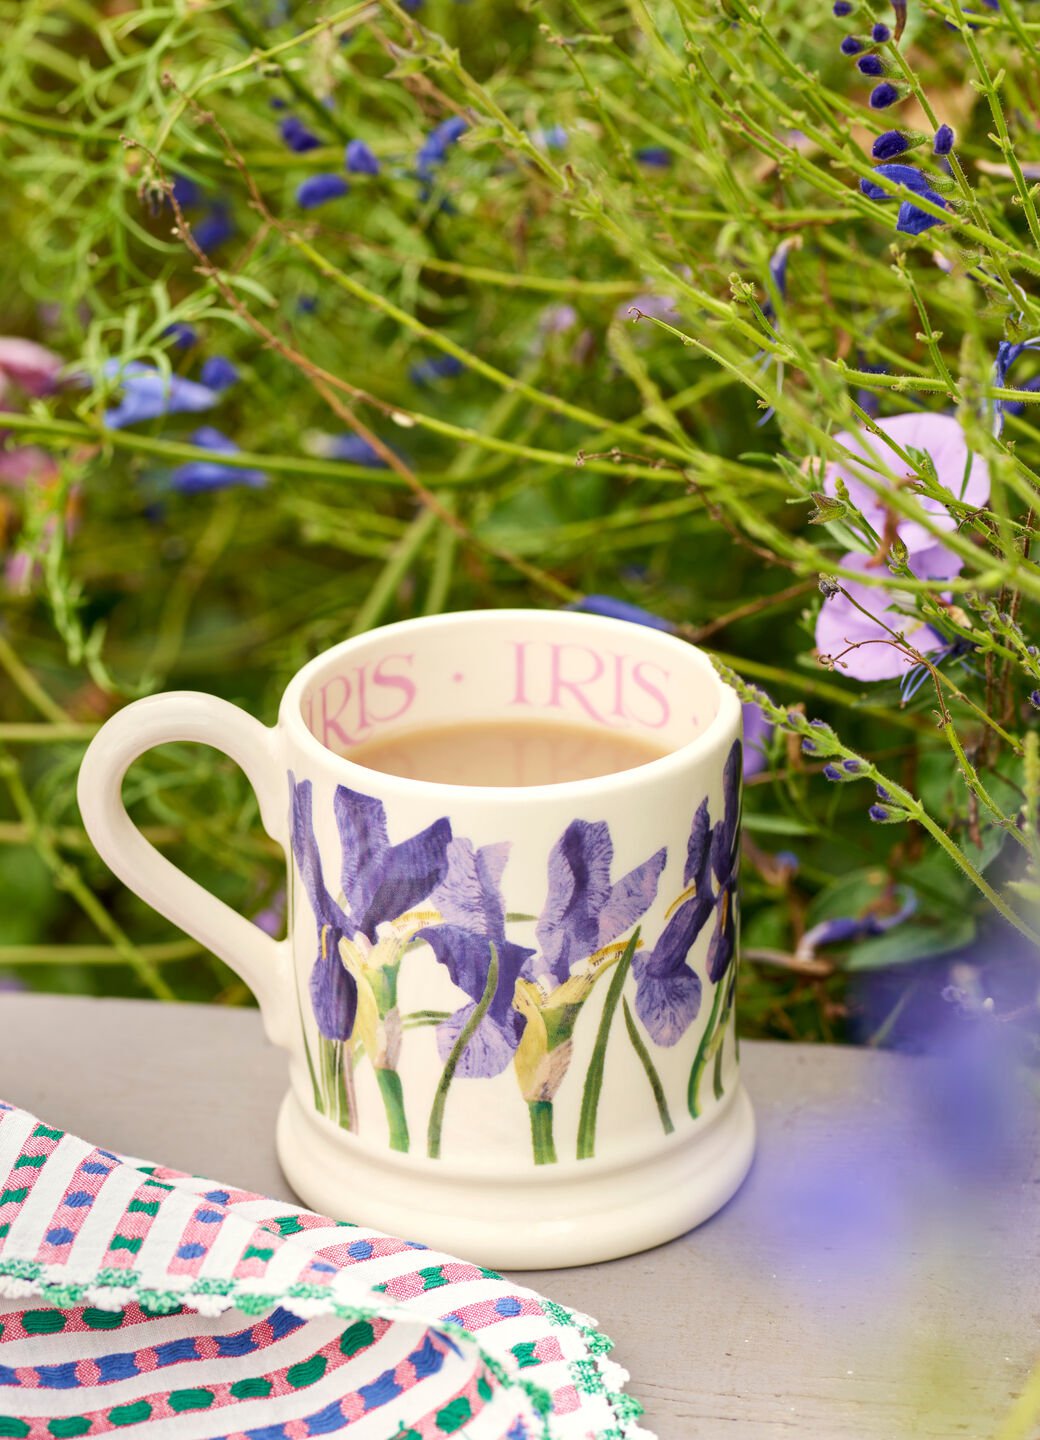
<point x="851" y="1289"/>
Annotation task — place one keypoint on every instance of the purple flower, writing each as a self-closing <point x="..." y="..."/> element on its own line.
<point x="944" y="138"/>
<point x="884" y="95"/>
<point x="943" y="439"/>
<point x="380" y="884"/>
<point x="880" y="33"/>
<point x="758" y="731"/>
<point x="655" y="157"/>
<point x="912" y="220"/>
<point x="215" y="228"/>
<point x="435" y="147"/>
<point x="438" y="367"/>
<point x="333" y="989"/>
<point x="1007" y="354"/>
<point x="584" y="912"/>
<point x="352" y="448"/>
<point x="843" y="929"/>
<point x="615" y="609"/>
<point x="890" y="144"/>
<point x="196" y="476"/>
<point x="319" y="189"/>
<point x="841" y="624"/>
<point x="851" y="45"/>
<point x="148" y="394"/>
<point x="668" y="990"/>
<point x="841" y="8"/>
<point x="218" y="373"/>
<point x="181" y="335"/>
<point x="552" y="138"/>
<point x="907" y="175"/>
<point x="296" y="135"/>
<point x="359" y="159"/>
<point x="870" y="65"/>
<point x="469" y="900"/>
<point x="186" y="192"/>
<point x="380" y="881"/>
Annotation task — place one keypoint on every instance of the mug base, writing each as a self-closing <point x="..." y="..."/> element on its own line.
<point x="574" y="1214"/>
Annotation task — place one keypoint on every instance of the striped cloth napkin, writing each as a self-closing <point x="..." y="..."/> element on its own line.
<point x="137" y="1299"/>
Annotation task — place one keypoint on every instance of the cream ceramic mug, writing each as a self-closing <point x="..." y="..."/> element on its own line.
<point x="508" y="1011"/>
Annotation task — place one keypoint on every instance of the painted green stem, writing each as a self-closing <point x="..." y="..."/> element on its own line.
<point x="433" y="1137"/>
<point x="594" y="1074"/>
<point x="704" y="1052"/>
<point x="393" y="1103"/>
<point x="542" y="1143"/>
<point x="650" y="1068"/>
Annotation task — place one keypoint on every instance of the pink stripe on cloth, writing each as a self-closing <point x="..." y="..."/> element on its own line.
<point x="76" y="1204"/>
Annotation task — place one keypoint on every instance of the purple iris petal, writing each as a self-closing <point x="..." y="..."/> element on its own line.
<point x="698" y="847"/>
<point x="381" y="881"/>
<point x="469" y="898"/>
<point x="333" y="989"/>
<point x="319" y="189"/>
<point x="470" y="893"/>
<point x="360" y="160"/>
<point x="148" y="394"/>
<point x="584" y="911"/>
<point x="195" y="476"/>
<point x="668" y="992"/>
<point x="467" y="957"/>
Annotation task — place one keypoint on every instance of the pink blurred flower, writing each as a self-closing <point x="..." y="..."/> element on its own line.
<point x="32" y="367"/>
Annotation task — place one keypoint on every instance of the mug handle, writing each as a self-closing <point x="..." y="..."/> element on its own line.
<point x="263" y="963"/>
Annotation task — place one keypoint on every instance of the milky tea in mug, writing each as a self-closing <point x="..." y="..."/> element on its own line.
<point x="507" y="988"/>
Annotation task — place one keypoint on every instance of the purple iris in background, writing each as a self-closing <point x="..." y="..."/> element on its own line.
<point x="380" y="882"/>
<point x="334" y="992"/>
<point x="668" y="991"/>
<point x="469" y="900"/>
<point x="583" y="911"/>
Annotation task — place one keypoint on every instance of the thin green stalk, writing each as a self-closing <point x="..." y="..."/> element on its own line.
<point x="381" y="596"/>
<point x="650" y="1069"/>
<point x="543" y="1146"/>
<point x="68" y="878"/>
<point x="393" y="1102"/>
<point x="25" y="681"/>
<point x="440" y="1099"/>
<point x="597" y="1062"/>
<point x="163" y="952"/>
<point x="704" y="1052"/>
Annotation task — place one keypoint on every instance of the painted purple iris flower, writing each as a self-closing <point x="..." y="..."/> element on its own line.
<point x="469" y="900"/>
<point x="380" y="882"/>
<point x="668" y="990"/>
<point x="334" y="993"/>
<point x="584" y="912"/>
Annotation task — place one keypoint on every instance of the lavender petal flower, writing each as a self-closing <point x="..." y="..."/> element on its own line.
<point x="333" y="990"/>
<point x="148" y="395"/>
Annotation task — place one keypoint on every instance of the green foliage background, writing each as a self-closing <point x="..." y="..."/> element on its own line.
<point x="625" y="453"/>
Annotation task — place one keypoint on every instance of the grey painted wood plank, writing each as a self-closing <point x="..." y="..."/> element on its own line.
<point x="853" y="1290"/>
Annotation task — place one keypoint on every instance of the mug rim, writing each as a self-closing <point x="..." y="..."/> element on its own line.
<point x="727" y="713"/>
